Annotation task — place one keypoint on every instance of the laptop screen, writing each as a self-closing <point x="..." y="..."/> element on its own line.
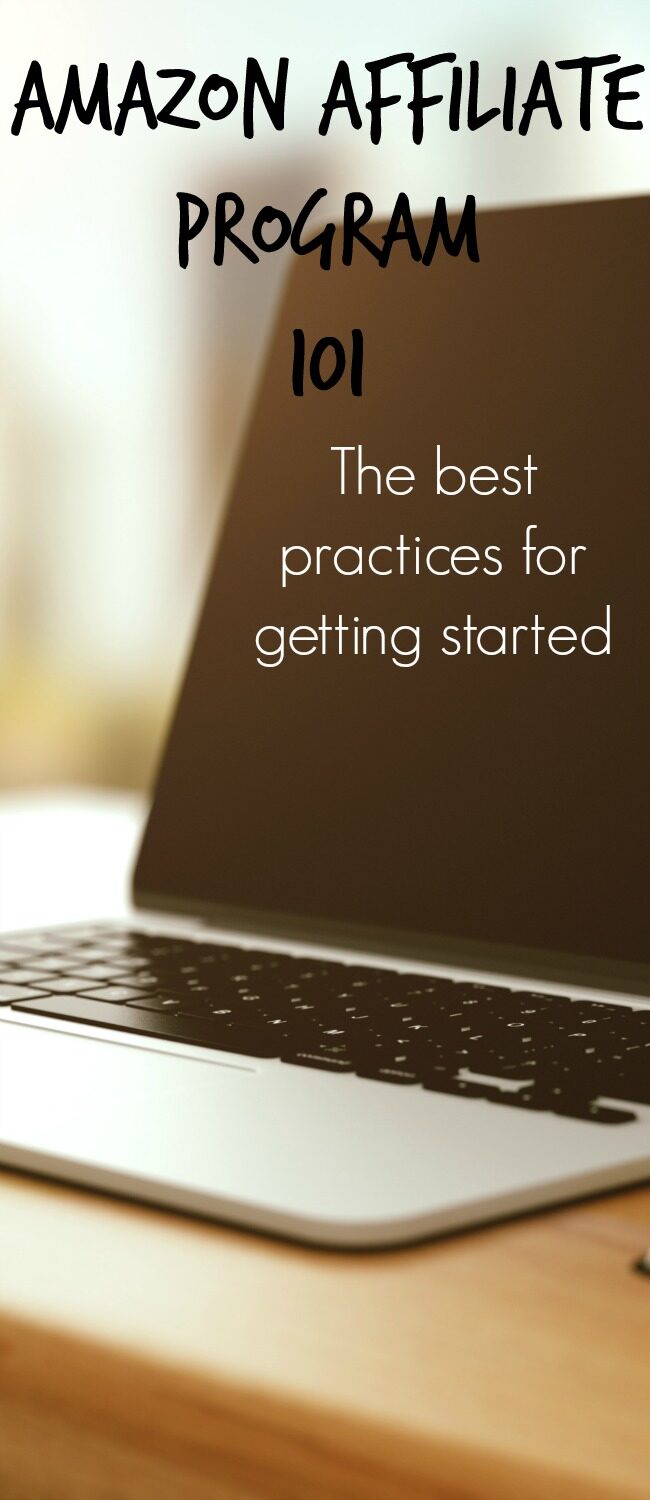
<point x="416" y="711"/>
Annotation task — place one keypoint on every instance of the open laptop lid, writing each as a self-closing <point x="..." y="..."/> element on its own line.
<point x="473" y="804"/>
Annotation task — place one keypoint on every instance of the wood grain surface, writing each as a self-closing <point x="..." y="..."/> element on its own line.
<point x="146" y="1355"/>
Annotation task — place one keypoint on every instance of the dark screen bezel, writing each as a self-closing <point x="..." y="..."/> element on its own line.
<point x="419" y="947"/>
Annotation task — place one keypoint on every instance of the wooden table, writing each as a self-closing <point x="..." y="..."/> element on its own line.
<point x="144" y="1356"/>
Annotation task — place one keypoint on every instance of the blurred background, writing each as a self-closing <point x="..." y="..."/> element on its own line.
<point x="124" y="382"/>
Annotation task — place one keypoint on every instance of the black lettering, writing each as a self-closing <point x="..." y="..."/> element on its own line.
<point x="356" y="365"/>
<point x="341" y="83"/>
<point x="353" y="224"/>
<point x="166" y="115"/>
<point x="323" y="240"/>
<point x="325" y="382"/>
<point x="465" y="233"/>
<point x="401" y="215"/>
<point x="298" y="366"/>
<point x="586" y="66"/>
<point x="34" y="80"/>
<point x="378" y="101"/>
<point x="98" y="100"/>
<point x="136" y="96"/>
<point x="420" y="101"/>
<point x="540" y="96"/>
<point x="474" y="119"/>
<point x="455" y="98"/>
<point x="322" y="347"/>
<point x="274" y="103"/>
<point x="212" y="85"/>
<point x="188" y="231"/>
<point x="223" y="226"/>
<point x="509" y="94"/>
<point x="615" y="94"/>
<point x="267" y="216"/>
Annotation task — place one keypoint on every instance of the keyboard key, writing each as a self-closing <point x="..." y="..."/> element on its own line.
<point x="572" y="1106"/>
<point x="13" y="974"/>
<point x="11" y="992"/>
<point x="117" y="994"/>
<point x="444" y="1081"/>
<point x="329" y="1062"/>
<point x="143" y="980"/>
<point x="57" y="983"/>
<point x="97" y="971"/>
<point x="388" y="1068"/>
<point x="55" y="963"/>
<point x="195" y="1032"/>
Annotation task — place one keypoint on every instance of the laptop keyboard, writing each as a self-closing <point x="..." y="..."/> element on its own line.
<point x="583" y="1059"/>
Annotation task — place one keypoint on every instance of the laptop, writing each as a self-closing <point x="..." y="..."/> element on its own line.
<point x="388" y="969"/>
